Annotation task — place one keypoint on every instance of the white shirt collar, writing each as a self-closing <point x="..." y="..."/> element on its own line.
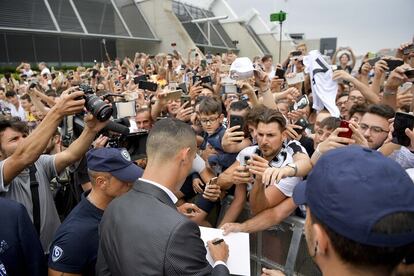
<point x="165" y="189"/>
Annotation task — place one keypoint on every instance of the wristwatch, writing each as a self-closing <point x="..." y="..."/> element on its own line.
<point x="293" y="166"/>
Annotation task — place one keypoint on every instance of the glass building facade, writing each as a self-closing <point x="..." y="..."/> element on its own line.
<point x="67" y="31"/>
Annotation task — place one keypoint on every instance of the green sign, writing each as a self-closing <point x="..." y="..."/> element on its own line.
<point x="280" y="16"/>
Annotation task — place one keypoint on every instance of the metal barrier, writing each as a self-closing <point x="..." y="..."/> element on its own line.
<point x="280" y="247"/>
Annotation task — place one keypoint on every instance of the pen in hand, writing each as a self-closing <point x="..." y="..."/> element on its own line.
<point x="216" y="242"/>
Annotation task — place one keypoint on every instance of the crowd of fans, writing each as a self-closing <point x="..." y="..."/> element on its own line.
<point x="258" y="136"/>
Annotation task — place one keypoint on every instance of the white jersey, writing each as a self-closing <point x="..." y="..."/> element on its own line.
<point x="285" y="156"/>
<point x="324" y="89"/>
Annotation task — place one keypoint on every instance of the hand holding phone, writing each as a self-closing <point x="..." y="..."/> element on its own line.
<point x="236" y="120"/>
<point x="402" y="121"/>
<point x="347" y="134"/>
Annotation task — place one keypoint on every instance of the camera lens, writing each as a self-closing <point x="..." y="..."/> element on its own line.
<point x="100" y="109"/>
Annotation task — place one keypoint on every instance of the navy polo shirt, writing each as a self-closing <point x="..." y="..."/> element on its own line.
<point x="20" y="250"/>
<point x="75" y="246"/>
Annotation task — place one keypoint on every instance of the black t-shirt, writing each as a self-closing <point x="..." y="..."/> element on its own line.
<point x="20" y="250"/>
<point x="75" y="247"/>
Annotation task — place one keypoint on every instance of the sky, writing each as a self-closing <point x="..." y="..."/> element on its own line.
<point x="364" y="25"/>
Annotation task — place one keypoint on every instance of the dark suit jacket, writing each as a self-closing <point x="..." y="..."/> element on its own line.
<point x="142" y="233"/>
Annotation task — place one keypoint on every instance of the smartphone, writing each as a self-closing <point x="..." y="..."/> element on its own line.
<point x="348" y="134"/>
<point x="147" y="85"/>
<point x="183" y="86"/>
<point x="393" y="63"/>
<point x="409" y="49"/>
<point x="229" y="88"/>
<point x="401" y="122"/>
<point x="280" y="73"/>
<point x="236" y="120"/>
<point x="296" y="53"/>
<point x="302" y="122"/>
<point x="141" y="78"/>
<point x="206" y="79"/>
<point x="183" y="67"/>
<point x="410" y="75"/>
<point x="196" y="78"/>
<point x="372" y="61"/>
<point x="173" y="95"/>
<point x="213" y="181"/>
<point x="301" y="103"/>
<point x="245" y="159"/>
<point x="203" y="63"/>
<point x="185" y="99"/>
<point x="299" y="77"/>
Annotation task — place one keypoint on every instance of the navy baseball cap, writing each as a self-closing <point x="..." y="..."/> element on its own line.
<point x="115" y="161"/>
<point x="350" y="189"/>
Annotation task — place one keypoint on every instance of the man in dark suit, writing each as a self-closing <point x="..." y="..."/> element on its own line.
<point x="142" y="233"/>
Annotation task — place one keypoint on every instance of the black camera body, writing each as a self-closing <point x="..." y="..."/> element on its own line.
<point x="95" y="105"/>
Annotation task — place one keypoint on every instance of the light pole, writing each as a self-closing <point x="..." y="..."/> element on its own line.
<point x="280" y="17"/>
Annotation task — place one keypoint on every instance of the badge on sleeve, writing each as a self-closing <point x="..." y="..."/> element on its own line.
<point x="57" y="252"/>
<point x="125" y="155"/>
<point x="3" y="271"/>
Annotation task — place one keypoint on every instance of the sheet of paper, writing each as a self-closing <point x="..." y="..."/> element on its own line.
<point x="239" y="249"/>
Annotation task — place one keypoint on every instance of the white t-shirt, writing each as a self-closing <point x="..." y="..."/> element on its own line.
<point x="17" y="112"/>
<point x="285" y="156"/>
<point x="324" y="89"/>
<point x="198" y="165"/>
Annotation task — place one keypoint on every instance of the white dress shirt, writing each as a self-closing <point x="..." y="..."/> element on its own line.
<point x="165" y="189"/>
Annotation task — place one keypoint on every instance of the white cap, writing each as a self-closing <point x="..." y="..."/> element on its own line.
<point x="241" y="68"/>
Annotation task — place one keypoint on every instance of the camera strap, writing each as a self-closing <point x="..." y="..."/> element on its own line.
<point x="34" y="189"/>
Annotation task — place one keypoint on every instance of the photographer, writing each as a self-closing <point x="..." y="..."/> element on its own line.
<point x="20" y="151"/>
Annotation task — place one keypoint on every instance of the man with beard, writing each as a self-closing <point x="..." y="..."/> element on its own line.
<point x="275" y="165"/>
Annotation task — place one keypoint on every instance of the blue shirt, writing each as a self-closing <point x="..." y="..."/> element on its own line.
<point x="75" y="247"/>
<point x="222" y="158"/>
<point x="20" y="250"/>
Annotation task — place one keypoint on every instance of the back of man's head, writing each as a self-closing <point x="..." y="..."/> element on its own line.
<point x="239" y="106"/>
<point x="167" y="138"/>
<point x="363" y="202"/>
<point x="11" y="94"/>
<point x="331" y="123"/>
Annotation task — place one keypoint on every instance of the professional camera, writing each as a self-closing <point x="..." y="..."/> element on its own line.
<point x="100" y="109"/>
<point x="117" y="129"/>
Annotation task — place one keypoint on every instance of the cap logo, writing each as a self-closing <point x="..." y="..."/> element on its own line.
<point x="125" y="155"/>
<point x="57" y="253"/>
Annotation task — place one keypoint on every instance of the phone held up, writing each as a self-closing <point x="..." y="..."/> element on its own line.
<point x="347" y="134"/>
<point x="402" y="121"/>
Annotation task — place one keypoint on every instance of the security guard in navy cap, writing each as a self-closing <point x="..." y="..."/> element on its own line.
<point x="75" y="247"/>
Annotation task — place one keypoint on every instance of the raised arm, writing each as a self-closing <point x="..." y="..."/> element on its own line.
<point x="29" y="150"/>
<point x="78" y="148"/>
<point x="365" y="90"/>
